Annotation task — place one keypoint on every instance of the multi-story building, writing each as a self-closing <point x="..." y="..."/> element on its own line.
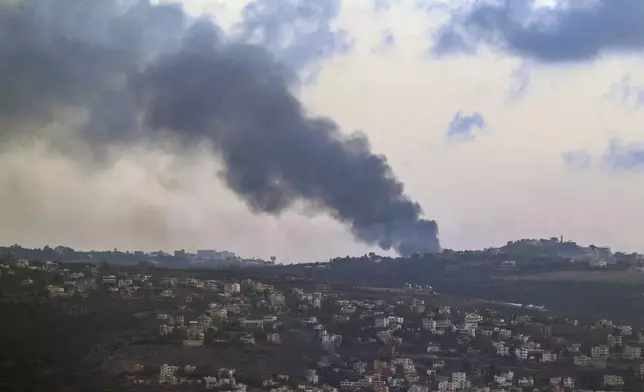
<point x="312" y="376"/>
<point x="360" y="367"/>
<point x="503" y="350"/>
<point x="599" y="351"/>
<point x="447" y="386"/>
<point x="521" y="353"/>
<point x="547" y="356"/>
<point x="276" y="299"/>
<point x="165" y="329"/>
<point x="611" y="380"/>
<point x="445" y="310"/>
<point x="632" y="352"/>
<point x="232" y="288"/>
<point x="381" y="322"/>
<point x="167" y="374"/>
<point x="459" y="378"/>
<point x="615" y="340"/>
<point x="473" y="318"/>
<point x="501" y="380"/>
<point x="429" y="324"/>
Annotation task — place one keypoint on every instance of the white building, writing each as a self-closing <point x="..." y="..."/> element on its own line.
<point x="210" y="382"/>
<point x="598" y="263"/>
<point x="599" y="351"/>
<point x="473" y="318"/>
<point x="312" y="376"/>
<point x="521" y="353"/>
<point x="381" y="322"/>
<point x="277" y="299"/>
<point x="274" y="338"/>
<point x="432" y="348"/>
<point x="613" y="381"/>
<point x="547" y="356"/>
<point x="501" y="380"/>
<point x="429" y="324"/>
<point x="525" y="382"/>
<point x="232" y="288"/>
<point x="416" y="387"/>
<point x="360" y="367"/>
<point x="632" y="352"/>
<point x="459" y="378"/>
<point x="167" y="374"/>
<point x="55" y="289"/>
<point x="615" y="340"/>
<point x="447" y="386"/>
<point x="445" y="310"/>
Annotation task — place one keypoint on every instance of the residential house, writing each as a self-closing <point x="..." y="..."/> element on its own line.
<point x="599" y="351"/>
<point x="433" y="348"/>
<point x="632" y="352"/>
<point x="429" y="324"/>
<point x="381" y="322"/>
<point x="167" y="374"/>
<point x="615" y="340"/>
<point x="274" y="338"/>
<point x="582" y="360"/>
<point x="232" y="288"/>
<point x="613" y="380"/>
<point x="525" y="382"/>
<point x="547" y="356"/>
<point x="248" y="339"/>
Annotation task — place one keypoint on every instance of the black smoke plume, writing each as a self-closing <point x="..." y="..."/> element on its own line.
<point x="145" y="73"/>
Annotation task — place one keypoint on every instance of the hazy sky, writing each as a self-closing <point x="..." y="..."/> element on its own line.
<point x="505" y="120"/>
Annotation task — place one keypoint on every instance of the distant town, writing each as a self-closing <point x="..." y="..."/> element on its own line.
<point x="76" y="321"/>
<point x="203" y="258"/>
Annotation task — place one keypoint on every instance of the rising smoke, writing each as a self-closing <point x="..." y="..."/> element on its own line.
<point x="148" y="74"/>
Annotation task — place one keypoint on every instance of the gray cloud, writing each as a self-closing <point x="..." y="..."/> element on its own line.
<point x="299" y="33"/>
<point x="387" y="41"/>
<point x="620" y="156"/>
<point x="150" y="76"/>
<point x="383" y="5"/>
<point x="519" y="83"/>
<point x="627" y="91"/>
<point x="569" y="32"/>
<point x="577" y="159"/>
<point x="464" y="126"/>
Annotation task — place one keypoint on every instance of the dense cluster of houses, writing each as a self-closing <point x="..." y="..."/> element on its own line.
<point x="407" y="340"/>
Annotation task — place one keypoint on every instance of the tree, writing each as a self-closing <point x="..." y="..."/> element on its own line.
<point x="103" y="266"/>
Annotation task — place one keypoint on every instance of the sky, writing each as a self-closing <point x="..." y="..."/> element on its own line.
<point x="504" y="120"/>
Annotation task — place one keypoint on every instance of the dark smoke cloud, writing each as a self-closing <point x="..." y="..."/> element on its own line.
<point x="570" y="32"/>
<point x="148" y="74"/>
